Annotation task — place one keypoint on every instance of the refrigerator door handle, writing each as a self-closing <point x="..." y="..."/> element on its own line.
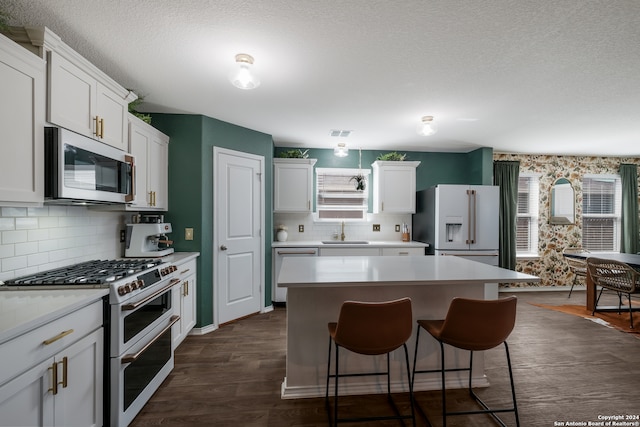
<point x="471" y="194"/>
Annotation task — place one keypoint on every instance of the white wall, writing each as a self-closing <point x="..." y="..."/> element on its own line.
<point x="353" y="230"/>
<point x="38" y="239"/>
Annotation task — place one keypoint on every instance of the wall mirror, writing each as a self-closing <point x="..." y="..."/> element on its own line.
<point x="562" y="202"/>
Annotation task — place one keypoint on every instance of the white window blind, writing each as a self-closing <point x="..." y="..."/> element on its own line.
<point x="601" y="212"/>
<point x="527" y="215"/>
<point x="337" y="194"/>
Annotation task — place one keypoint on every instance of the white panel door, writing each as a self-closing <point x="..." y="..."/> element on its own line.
<point x="238" y="219"/>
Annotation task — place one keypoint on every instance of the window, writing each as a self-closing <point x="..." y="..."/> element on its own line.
<point x="338" y="195"/>
<point x="527" y="215"/>
<point x="601" y="212"/>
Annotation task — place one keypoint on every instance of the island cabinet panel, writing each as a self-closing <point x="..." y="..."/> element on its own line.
<point x="22" y="109"/>
<point x="318" y="286"/>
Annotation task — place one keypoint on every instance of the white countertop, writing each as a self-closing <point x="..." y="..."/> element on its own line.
<point x="180" y="257"/>
<point x="22" y="311"/>
<point x="391" y="270"/>
<point x="371" y="244"/>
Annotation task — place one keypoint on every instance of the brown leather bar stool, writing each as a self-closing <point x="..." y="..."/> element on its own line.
<point x="370" y="328"/>
<point x="473" y="325"/>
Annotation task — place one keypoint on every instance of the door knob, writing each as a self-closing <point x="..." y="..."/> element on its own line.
<point x="223" y="248"/>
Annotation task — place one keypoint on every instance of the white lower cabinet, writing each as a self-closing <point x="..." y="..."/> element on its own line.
<point x="184" y="301"/>
<point x="388" y="251"/>
<point x="60" y="389"/>
<point x="402" y="251"/>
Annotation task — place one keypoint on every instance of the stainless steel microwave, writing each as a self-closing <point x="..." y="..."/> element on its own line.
<point x="81" y="170"/>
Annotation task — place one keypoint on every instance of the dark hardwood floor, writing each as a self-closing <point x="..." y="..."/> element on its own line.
<point x="566" y="369"/>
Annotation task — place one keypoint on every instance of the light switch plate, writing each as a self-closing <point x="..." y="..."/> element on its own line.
<point x="376" y="227"/>
<point x="397" y="228"/>
<point x="301" y="228"/>
<point x="188" y="234"/>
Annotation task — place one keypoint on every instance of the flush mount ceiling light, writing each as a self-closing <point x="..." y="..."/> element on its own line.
<point x="243" y="78"/>
<point x="427" y="126"/>
<point x="341" y="150"/>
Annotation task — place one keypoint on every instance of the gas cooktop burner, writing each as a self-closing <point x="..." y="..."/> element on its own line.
<point x="97" y="272"/>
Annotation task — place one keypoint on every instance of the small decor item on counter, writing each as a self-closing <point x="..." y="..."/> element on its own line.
<point x="282" y="234"/>
<point x="392" y="157"/>
<point x="405" y="233"/>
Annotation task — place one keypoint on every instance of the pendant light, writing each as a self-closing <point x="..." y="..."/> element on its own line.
<point x="243" y="77"/>
<point x="427" y="126"/>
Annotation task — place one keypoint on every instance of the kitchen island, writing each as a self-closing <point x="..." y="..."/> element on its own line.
<point x="317" y="287"/>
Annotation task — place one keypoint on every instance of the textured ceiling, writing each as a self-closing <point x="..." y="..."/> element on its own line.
<point x="545" y="76"/>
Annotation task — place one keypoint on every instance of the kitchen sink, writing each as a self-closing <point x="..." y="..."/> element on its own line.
<point x="345" y="242"/>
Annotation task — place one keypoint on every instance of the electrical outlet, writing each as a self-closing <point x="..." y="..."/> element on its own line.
<point x="376" y="227"/>
<point x="397" y="228"/>
<point x="301" y="228"/>
<point x="122" y="236"/>
<point x="188" y="234"/>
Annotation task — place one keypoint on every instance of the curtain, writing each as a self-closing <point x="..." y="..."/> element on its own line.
<point x="629" y="227"/>
<point x="505" y="175"/>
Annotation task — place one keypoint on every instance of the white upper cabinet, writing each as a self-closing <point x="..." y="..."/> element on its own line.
<point x="22" y="107"/>
<point x="293" y="185"/>
<point x="81" y="98"/>
<point x="150" y="147"/>
<point x="394" y="187"/>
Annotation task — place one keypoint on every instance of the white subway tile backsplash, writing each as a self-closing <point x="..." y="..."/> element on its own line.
<point x="16" y="236"/>
<point x="7" y="224"/>
<point x="38" y="239"/>
<point x="9" y="212"/>
<point x="26" y="223"/>
<point x="26" y="248"/>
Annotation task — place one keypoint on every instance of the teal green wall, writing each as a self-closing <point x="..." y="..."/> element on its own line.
<point x="191" y="183"/>
<point x="475" y="167"/>
<point x="191" y="190"/>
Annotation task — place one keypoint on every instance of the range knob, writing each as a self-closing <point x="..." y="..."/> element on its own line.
<point x="122" y="291"/>
<point x="140" y="283"/>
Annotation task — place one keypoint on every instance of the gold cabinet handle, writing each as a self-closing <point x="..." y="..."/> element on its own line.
<point x="96" y="124"/>
<point x="184" y="271"/>
<point x="64" y="372"/>
<point x="57" y="337"/>
<point x="101" y="128"/>
<point x="54" y="378"/>
<point x="150" y="198"/>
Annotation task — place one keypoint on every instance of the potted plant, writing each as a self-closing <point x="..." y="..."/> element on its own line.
<point x="361" y="181"/>
<point x="392" y="157"/>
<point x="294" y="154"/>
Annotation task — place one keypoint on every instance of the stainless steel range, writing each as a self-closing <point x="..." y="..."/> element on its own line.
<point x="140" y="317"/>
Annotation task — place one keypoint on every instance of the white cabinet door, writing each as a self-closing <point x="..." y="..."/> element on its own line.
<point x="72" y="97"/>
<point x="158" y="170"/>
<point x="403" y="251"/>
<point x="22" y="107"/>
<point x="394" y="187"/>
<point x="65" y="390"/>
<point x="112" y="110"/>
<point x="293" y="185"/>
<point x="27" y="399"/>
<point x="150" y="147"/>
<point x="77" y="101"/>
<point x="184" y="301"/>
<point x="349" y="251"/>
<point x="80" y="389"/>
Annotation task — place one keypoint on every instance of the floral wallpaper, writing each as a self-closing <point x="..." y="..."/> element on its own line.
<point x="552" y="239"/>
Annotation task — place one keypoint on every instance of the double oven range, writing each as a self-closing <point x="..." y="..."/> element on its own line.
<point x="138" y="320"/>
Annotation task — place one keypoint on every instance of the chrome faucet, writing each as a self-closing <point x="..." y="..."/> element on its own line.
<point x="342" y="233"/>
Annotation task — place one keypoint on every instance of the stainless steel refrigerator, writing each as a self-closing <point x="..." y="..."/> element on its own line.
<point x="459" y="220"/>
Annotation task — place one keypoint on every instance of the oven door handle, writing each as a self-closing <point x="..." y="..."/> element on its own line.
<point x="133" y="306"/>
<point x="130" y="358"/>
